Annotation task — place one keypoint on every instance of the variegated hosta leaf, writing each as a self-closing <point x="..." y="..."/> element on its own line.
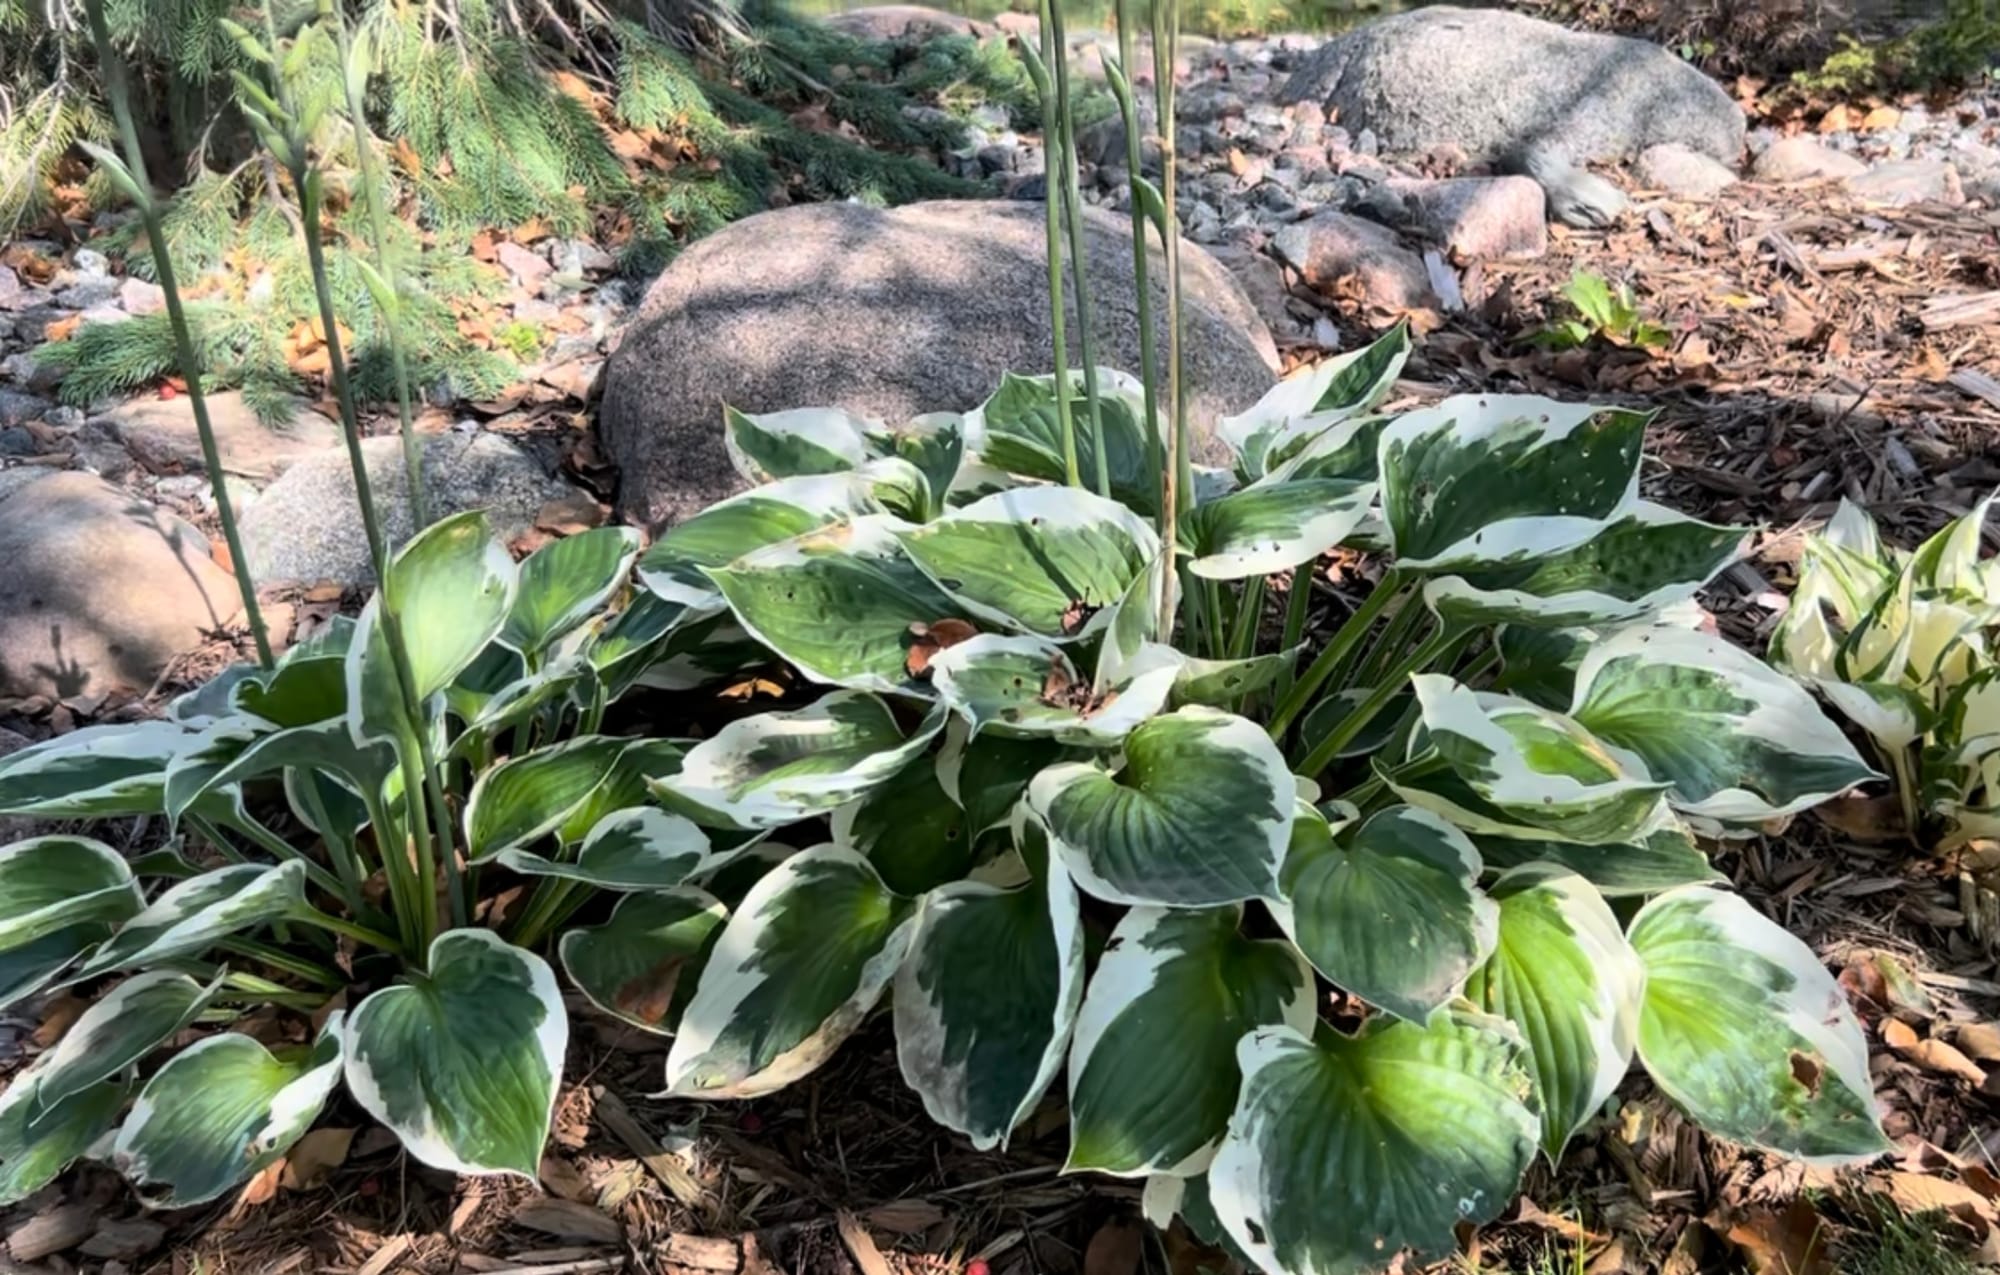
<point x="122" y="1027"/>
<point x="625" y="784"/>
<point x="298" y="692"/>
<point x="529" y="796"/>
<point x="1646" y="558"/>
<point x="800" y="441"/>
<point x="672" y="568"/>
<point x="1348" y="448"/>
<point x="838" y="603"/>
<point x="1272" y="526"/>
<point x="1387" y="910"/>
<point x="1305" y="404"/>
<point x="1949" y="561"/>
<point x="1539" y="664"/>
<point x="1515" y="769"/>
<point x="1745" y="1029"/>
<point x="804" y="957"/>
<point x="564" y="582"/>
<point x="1028" y="687"/>
<point x="1043" y="560"/>
<point x="198" y="912"/>
<point x="463" y="1061"/>
<point x="985" y="1000"/>
<point x="51" y="884"/>
<point x="450" y="590"/>
<point x="1223" y="683"/>
<point x="987" y="774"/>
<point x="1345" y="1151"/>
<point x="1486" y="480"/>
<point x="1565" y="976"/>
<point x="1739" y="742"/>
<point x="37" y="1142"/>
<point x="909" y="829"/>
<point x="641" y="965"/>
<point x="934" y="445"/>
<point x="778" y="768"/>
<point x="229" y="757"/>
<point x="221" y="1111"/>
<point x="638" y="848"/>
<point x="1017" y="431"/>
<point x="214" y="698"/>
<point x="1199" y="814"/>
<point x="99" y="772"/>
<point x="1656" y="860"/>
<point x="1152" y="1072"/>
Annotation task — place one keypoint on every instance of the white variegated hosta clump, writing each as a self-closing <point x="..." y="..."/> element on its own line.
<point x="1901" y="643"/>
<point x="1063" y="842"/>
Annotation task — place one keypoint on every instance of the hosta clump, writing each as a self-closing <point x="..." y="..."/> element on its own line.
<point x="1042" y="782"/>
<point x="1902" y="644"/>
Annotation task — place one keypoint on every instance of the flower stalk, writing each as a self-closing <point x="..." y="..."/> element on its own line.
<point x="1071" y="195"/>
<point x="1052" y="159"/>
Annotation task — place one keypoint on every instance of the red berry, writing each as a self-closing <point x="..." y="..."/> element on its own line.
<point x="978" y="1266"/>
<point x="751" y="1122"/>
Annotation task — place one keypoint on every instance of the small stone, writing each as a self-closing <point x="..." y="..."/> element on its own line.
<point x="1325" y="335"/>
<point x="139" y="297"/>
<point x="90" y="263"/>
<point x="1365" y="143"/>
<point x="10" y="287"/>
<point x="16" y="441"/>
<point x="31" y="373"/>
<point x="160" y="434"/>
<point x="1908" y="181"/>
<point x="1334" y="252"/>
<point x="1489" y="218"/>
<point x="1800" y="159"/>
<point x="1881" y="119"/>
<point x="17" y="408"/>
<point x="1683" y="172"/>
<point x="88" y="291"/>
<point x="582" y="256"/>
<point x="529" y="268"/>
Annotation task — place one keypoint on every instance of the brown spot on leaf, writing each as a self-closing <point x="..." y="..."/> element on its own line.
<point x="926" y="640"/>
<point x="650" y="995"/>
<point x="1807" y="1071"/>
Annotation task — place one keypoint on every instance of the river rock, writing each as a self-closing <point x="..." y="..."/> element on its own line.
<point x="160" y="435"/>
<point x="894" y="21"/>
<point x="1496" y="82"/>
<point x="1802" y="159"/>
<point x="1490" y="218"/>
<point x="101" y="589"/>
<point x="1344" y="256"/>
<point x="307" y="527"/>
<point x="1908" y="181"/>
<point x="888" y="314"/>
<point x="1684" y="173"/>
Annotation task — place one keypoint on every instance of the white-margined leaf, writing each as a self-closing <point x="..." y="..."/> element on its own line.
<point x="1152" y="1072"/>
<point x="221" y="1111"/>
<point x="934" y="445"/>
<point x="641" y="964"/>
<point x="1646" y="558"/>
<point x="1745" y="1029"/>
<point x="1199" y="813"/>
<point x="1512" y="768"/>
<point x="1272" y="526"/>
<point x="672" y="569"/>
<point x="1345" y="1151"/>
<point x="564" y="582"/>
<point x="462" y="1062"/>
<point x="985" y="999"/>
<point x="625" y="784"/>
<point x="216" y="697"/>
<point x="802" y="960"/>
<point x="532" y="795"/>
<point x="1304" y="404"/>
<point x="1738" y="741"/>
<point x="838" y="603"/>
<point x="199" y="912"/>
<point x="1659" y="858"/>
<point x="38" y="1142"/>
<point x="1027" y="686"/>
<point x="1388" y="909"/>
<point x="1224" y="683"/>
<point x="119" y="1029"/>
<point x="50" y="884"/>
<point x="638" y="848"/>
<point x="909" y="829"/>
<point x="1565" y="976"/>
<point x="1349" y="448"/>
<point x="988" y="774"/>
<point x="1017" y="431"/>
<point x="298" y="692"/>
<point x="1484" y="480"/>
<point x="799" y="441"/>
<point x="327" y="748"/>
<point x="99" y="772"/>
<point x="450" y="589"/>
<point x="1042" y="560"/>
<point x="778" y="768"/>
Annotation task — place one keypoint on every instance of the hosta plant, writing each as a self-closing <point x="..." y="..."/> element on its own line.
<point x="1901" y="643"/>
<point x="1326" y="931"/>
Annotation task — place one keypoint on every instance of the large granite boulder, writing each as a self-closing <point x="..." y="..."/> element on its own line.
<point x="888" y="314"/>
<point x="101" y="589"/>
<point x="1500" y="84"/>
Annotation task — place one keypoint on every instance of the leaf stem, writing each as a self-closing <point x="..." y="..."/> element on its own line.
<point x="1178" y="479"/>
<point x="1052" y="162"/>
<point x="279" y="959"/>
<point x="1298" y="608"/>
<point x="1441" y="645"/>
<point x="284" y="851"/>
<point x="1079" y="259"/>
<point x="1337" y="648"/>
<point x="1142" y="290"/>
<point x="350" y="929"/>
<point x="1249" y="612"/>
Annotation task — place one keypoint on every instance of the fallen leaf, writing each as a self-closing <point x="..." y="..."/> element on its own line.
<point x="926" y="640"/>
<point x="1928" y="1193"/>
<point x="861" y="1245"/>
<point x="1979" y="1040"/>
<point x="262" y="1187"/>
<point x="1869" y="819"/>
<point x="904" y="1217"/>
<point x="569" y="1220"/>
<point x="1115" y="1249"/>
<point x="314" y="1157"/>
<point x="564" y="1179"/>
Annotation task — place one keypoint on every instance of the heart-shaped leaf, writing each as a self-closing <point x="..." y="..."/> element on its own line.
<point x="199" y="912"/>
<point x="985" y="999"/>
<point x="1303" y="405"/>
<point x="912" y="832"/>
<point x="987" y="774"/>
<point x="1345" y="1151"/>
<point x="1198" y="815"/>
<point x="1028" y="687"/>
<point x="462" y="1062"/>
<point x="778" y="768"/>
<point x="638" y="848"/>
<point x="1152" y="1072"/>
<point x="564" y="582"/>
<point x="1017" y="431"/>
<point x="1745" y="1029"/>
<point x="641" y="965"/>
<point x="51" y="884"/>
<point x="672" y="569"/>
<point x="1387" y="910"/>
<point x="128" y="1023"/>
<point x="530" y="796"/>
<point x="1272" y="527"/>
<point x="802" y="960"/>
<point x="38" y="1142"/>
<point x="1658" y="859"/>
<point x="99" y="772"/>
<point x="221" y="1111"/>
<point x="799" y="441"/>
<point x="1565" y="976"/>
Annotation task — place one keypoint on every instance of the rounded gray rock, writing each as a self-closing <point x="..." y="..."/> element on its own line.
<point x="888" y="314"/>
<point x="1496" y="82"/>
<point x="307" y="527"/>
